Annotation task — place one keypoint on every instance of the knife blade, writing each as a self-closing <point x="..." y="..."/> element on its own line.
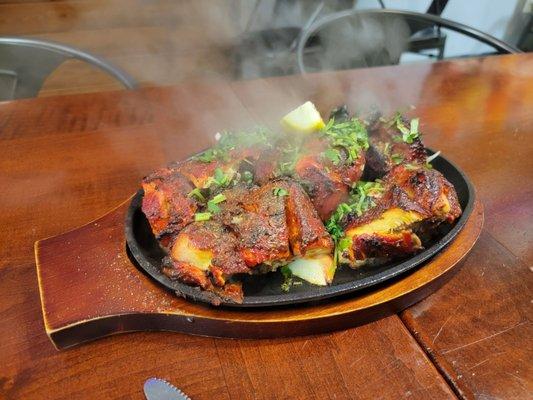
<point x="159" y="389"/>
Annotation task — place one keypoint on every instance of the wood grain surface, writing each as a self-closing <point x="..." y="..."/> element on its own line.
<point x="67" y="160"/>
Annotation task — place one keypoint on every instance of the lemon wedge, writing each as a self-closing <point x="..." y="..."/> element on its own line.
<point x="304" y="119"/>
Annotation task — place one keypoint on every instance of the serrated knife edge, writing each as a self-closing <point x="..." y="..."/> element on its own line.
<point x="159" y="389"/>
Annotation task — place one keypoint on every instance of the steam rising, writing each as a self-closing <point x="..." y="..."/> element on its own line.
<point x="363" y="41"/>
<point x="164" y="43"/>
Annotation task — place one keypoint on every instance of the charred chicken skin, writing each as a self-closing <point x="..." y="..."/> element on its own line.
<point x="327" y="164"/>
<point x="166" y="203"/>
<point x="258" y="202"/>
<point x="262" y="226"/>
<point x="330" y="163"/>
<point x="414" y="200"/>
<point x="392" y="142"/>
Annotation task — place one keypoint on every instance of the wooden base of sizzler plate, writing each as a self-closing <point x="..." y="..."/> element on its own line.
<point x="90" y="288"/>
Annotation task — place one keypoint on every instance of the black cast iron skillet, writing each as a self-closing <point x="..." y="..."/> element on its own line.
<point x="265" y="290"/>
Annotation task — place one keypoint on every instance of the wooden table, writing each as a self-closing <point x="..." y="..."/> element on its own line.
<point x="67" y="160"/>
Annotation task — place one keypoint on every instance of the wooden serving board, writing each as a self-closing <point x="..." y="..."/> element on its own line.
<point x="89" y="289"/>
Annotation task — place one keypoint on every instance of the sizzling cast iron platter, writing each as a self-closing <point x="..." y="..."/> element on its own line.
<point x="265" y="290"/>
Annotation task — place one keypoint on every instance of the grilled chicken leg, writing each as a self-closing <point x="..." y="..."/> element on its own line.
<point x="415" y="199"/>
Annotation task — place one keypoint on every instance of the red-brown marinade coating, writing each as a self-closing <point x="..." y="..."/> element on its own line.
<point x="415" y="189"/>
<point x="257" y="217"/>
<point x="385" y="245"/>
<point x="307" y="233"/>
<point x="387" y="149"/>
<point x="166" y="203"/>
<point x="326" y="182"/>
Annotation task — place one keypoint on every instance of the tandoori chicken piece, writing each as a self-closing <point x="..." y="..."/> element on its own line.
<point x="263" y="227"/>
<point x="274" y="222"/>
<point x="392" y="142"/>
<point x="327" y="162"/>
<point x="413" y="198"/>
<point x="166" y="203"/>
<point x="258" y="220"/>
<point x="205" y="254"/>
<point x="331" y="163"/>
<point x="307" y="235"/>
<point x="200" y="173"/>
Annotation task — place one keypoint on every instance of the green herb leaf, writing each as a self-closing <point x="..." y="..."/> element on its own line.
<point x="212" y="204"/>
<point x="414" y="127"/>
<point x="219" y="198"/>
<point x="333" y="155"/>
<point x="409" y="134"/>
<point x="402" y="128"/>
<point x="207" y="156"/>
<point x="220" y="176"/>
<point x="333" y="224"/>
<point x="351" y="135"/>
<point x="213" y="208"/>
<point x="205" y="216"/>
<point x="280" y="192"/>
<point x="197" y="193"/>
<point x="397" y="158"/>
<point x="247" y="177"/>
<point x="287" y="278"/>
<point x="344" y="244"/>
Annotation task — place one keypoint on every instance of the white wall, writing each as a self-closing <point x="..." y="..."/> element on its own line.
<point x="489" y="16"/>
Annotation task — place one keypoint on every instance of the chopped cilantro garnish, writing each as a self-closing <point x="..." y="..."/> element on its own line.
<point x="333" y="155"/>
<point x="409" y="133"/>
<point x="209" y="155"/>
<point x="212" y="204"/>
<point x="335" y="228"/>
<point x="333" y="224"/>
<point x="197" y="193"/>
<point x="280" y="192"/>
<point x="344" y="244"/>
<point x="411" y="167"/>
<point x="287" y="278"/>
<point x="361" y="200"/>
<point x="219" y="178"/>
<point x="414" y="126"/>
<point x="363" y="195"/>
<point x="219" y="198"/>
<point x="247" y="177"/>
<point x="213" y="208"/>
<point x="205" y="216"/>
<point x="351" y="135"/>
<point x="397" y="158"/>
